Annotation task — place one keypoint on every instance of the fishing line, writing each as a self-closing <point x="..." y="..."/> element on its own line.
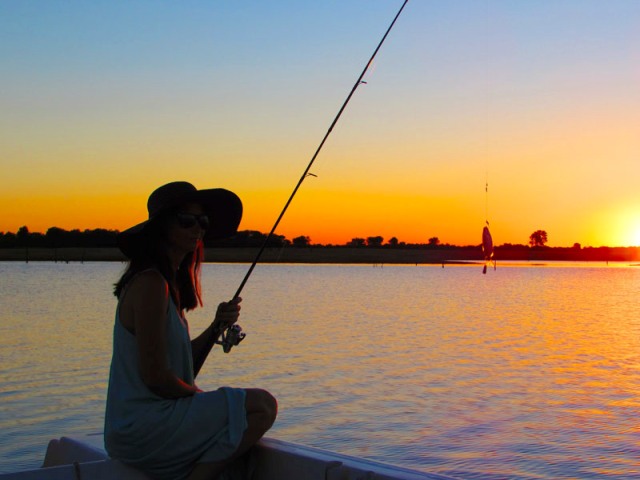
<point x="486" y="198"/>
<point x="234" y="333"/>
<point x="487" y="113"/>
<point x="488" y="250"/>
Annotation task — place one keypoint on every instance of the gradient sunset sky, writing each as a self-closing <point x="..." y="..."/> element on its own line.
<point x="101" y="102"/>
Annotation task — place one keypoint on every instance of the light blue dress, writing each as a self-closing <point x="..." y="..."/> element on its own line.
<point x="163" y="437"/>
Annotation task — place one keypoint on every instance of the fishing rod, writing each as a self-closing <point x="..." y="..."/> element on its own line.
<point x="234" y="334"/>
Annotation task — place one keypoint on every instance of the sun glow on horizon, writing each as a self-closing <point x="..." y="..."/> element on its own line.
<point x="635" y="235"/>
<point x="629" y="226"/>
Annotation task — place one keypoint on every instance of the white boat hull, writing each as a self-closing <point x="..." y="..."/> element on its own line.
<point x="85" y="459"/>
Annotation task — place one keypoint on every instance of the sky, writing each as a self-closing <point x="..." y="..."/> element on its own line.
<point x="101" y="102"/>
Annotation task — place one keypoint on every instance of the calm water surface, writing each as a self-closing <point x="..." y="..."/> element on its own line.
<point x="523" y="373"/>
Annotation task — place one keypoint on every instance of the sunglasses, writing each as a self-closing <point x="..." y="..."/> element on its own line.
<point x="189" y="220"/>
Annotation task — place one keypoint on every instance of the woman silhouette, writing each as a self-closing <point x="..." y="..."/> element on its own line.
<point x="157" y="419"/>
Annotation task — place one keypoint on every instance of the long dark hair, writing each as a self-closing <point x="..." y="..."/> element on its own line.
<point x="152" y="253"/>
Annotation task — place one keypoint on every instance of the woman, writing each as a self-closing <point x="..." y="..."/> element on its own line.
<point x="157" y="419"/>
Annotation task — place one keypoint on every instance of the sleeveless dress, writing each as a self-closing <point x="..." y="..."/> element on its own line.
<point x="163" y="437"/>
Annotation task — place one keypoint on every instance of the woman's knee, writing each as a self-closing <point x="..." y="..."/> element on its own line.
<point x="264" y="404"/>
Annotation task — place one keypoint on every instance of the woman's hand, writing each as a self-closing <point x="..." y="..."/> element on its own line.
<point x="227" y="314"/>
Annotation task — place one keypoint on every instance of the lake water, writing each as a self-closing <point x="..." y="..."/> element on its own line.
<point x="523" y="373"/>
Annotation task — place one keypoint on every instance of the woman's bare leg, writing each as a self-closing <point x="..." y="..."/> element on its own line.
<point x="262" y="409"/>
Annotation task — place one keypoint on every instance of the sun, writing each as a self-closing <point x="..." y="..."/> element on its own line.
<point x="624" y="226"/>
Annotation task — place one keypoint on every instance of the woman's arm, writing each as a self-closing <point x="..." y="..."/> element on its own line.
<point x="148" y="301"/>
<point x="226" y="315"/>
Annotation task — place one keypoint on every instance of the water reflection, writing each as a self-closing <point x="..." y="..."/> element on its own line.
<point x="527" y="373"/>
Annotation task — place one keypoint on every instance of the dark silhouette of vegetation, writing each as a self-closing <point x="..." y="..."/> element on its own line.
<point x="22" y="236"/>
<point x="25" y="243"/>
<point x="374" y="241"/>
<point x="250" y="238"/>
<point x="356" y="242"/>
<point x="301" y="241"/>
<point x="538" y="238"/>
<point x="58" y="238"/>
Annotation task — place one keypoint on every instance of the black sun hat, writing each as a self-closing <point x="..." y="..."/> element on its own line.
<point x="223" y="208"/>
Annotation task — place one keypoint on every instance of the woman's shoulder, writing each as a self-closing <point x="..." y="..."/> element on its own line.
<point x="147" y="285"/>
<point x="149" y="279"/>
<point x="146" y="291"/>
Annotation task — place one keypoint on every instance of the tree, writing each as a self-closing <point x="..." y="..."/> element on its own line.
<point x="55" y="237"/>
<point x="538" y="238"/>
<point x="356" y="242"/>
<point x="7" y="240"/>
<point x="393" y="242"/>
<point x="375" y="241"/>
<point x="23" y="236"/>
<point x="434" y="241"/>
<point x="247" y="238"/>
<point x="301" y="241"/>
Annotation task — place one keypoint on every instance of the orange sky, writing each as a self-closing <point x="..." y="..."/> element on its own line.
<point x="541" y="99"/>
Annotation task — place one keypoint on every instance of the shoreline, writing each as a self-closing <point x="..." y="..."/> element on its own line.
<point x="341" y="255"/>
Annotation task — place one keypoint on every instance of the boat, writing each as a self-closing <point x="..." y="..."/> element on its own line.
<point x="84" y="458"/>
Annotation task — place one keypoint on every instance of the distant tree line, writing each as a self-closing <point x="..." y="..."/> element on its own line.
<point x="56" y="237"/>
<point x="59" y="238"/>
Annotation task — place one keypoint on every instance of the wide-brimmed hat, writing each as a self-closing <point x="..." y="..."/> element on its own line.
<point x="223" y="207"/>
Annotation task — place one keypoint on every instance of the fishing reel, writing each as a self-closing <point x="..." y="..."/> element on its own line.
<point x="231" y="337"/>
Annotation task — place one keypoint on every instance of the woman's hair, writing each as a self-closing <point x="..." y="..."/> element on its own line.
<point x="152" y="253"/>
